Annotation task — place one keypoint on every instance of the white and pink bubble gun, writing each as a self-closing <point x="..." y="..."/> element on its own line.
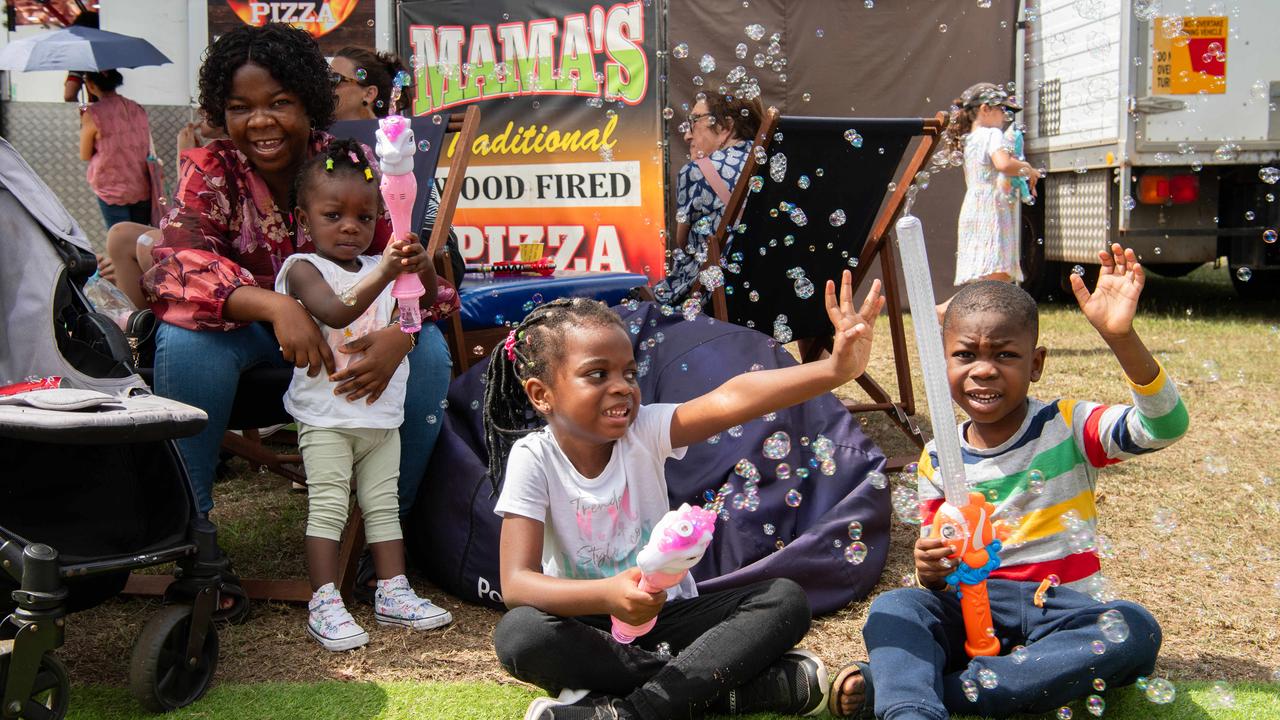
<point x="399" y="189"/>
<point x="677" y="543"/>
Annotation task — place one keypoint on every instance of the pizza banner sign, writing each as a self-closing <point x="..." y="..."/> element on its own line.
<point x="569" y="151"/>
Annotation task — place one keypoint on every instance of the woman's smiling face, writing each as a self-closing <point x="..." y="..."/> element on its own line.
<point x="266" y="122"/>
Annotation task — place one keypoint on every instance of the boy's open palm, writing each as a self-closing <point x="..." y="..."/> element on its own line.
<point x="851" y="349"/>
<point x="1113" y="303"/>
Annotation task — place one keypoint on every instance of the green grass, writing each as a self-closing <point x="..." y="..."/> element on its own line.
<point x="342" y="700"/>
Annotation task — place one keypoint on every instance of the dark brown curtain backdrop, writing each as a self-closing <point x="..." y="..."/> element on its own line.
<point x="892" y="60"/>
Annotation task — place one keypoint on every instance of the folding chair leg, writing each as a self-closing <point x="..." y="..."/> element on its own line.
<point x="249" y="446"/>
<point x="349" y="550"/>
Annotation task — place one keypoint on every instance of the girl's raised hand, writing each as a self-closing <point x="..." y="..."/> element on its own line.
<point x="1113" y="303"/>
<point x="851" y="349"/>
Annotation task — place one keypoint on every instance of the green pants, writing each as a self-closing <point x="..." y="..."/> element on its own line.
<point x="333" y="457"/>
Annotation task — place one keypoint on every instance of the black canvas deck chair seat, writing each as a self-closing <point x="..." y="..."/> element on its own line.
<point x="823" y="202"/>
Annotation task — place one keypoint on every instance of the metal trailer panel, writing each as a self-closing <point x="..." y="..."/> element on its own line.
<point x="1077" y="208"/>
<point x="1243" y="112"/>
<point x="1074" y="80"/>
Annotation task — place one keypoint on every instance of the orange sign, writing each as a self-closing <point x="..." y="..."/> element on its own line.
<point x="317" y="18"/>
<point x="1189" y="56"/>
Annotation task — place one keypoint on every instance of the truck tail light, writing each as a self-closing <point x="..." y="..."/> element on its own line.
<point x="1184" y="189"/>
<point x="1153" y="189"/>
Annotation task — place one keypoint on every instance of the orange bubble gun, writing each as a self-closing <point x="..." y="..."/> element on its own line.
<point x="964" y="520"/>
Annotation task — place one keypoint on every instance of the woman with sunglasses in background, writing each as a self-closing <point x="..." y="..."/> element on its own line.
<point x="719" y="131"/>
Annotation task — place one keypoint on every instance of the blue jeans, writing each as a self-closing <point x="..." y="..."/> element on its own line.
<point x="139" y="212"/>
<point x="915" y="639"/>
<point x="202" y="368"/>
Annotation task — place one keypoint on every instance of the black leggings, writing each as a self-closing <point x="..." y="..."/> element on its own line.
<point x="717" y="641"/>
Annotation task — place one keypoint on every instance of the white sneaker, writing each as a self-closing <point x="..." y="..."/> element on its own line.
<point x="395" y="603"/>
<point x="330" y="624"/>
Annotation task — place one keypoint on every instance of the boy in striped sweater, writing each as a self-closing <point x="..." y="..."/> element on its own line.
<point x="1037" y="463"/>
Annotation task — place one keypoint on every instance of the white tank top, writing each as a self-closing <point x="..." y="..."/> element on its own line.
<point x="310" y="399"/>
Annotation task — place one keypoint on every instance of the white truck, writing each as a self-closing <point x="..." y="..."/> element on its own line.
<point x="1159" y="129"/>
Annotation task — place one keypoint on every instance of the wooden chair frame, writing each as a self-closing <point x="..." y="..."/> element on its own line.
<point x="463" y="126"/>
<point x="877" y="247"/>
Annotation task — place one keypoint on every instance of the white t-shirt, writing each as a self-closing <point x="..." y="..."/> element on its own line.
<point x="310" y="399"/>
<point x="595" y="527"/>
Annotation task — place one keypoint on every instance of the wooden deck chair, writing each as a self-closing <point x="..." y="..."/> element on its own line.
<point x="827" y="211"/>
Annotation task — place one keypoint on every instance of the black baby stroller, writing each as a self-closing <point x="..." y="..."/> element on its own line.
<point x="91" y="485"/>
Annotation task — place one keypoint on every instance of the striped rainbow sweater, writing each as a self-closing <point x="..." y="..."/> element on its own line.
<point x="1067" y="441"/>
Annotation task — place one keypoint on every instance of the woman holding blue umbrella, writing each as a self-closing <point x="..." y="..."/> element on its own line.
<point x="115" y="137"/>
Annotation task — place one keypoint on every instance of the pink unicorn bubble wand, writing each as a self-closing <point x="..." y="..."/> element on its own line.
<point x="399" y="189"/>
<point x="677" y="543"/>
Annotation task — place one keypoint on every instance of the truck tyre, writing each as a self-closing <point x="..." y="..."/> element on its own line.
<point x="1039" y="275"/>
<point x="1173" y="270"/>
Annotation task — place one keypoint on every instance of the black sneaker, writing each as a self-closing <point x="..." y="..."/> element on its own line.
<point x="796" y="684"/>
<point x="588" y="706"/>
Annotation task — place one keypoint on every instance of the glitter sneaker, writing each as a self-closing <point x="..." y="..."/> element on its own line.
<point x="395" y="603"/>
<point x="330" y="623"/>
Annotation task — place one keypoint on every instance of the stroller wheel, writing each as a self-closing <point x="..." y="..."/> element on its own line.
<point x="51" y="691"/>
<point x="159" y="674"/>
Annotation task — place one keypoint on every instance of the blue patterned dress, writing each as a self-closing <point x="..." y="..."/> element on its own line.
<point x="698" y="205"/>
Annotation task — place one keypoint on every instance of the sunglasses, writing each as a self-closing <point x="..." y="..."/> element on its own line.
<point x="337" y="78"/>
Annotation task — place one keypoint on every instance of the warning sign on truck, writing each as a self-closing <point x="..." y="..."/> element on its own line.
<point x="1189" y="57"/>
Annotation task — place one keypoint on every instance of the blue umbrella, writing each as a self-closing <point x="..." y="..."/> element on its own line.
<point x="79" y="48"/>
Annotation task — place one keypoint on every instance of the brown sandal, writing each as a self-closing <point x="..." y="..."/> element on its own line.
<point x="867" y="709"/>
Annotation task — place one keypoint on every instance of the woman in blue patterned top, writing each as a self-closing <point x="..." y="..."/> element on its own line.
<point x="719" y="131"/>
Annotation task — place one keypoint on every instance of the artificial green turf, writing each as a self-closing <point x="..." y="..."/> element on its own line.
<point x="414" y="701"/>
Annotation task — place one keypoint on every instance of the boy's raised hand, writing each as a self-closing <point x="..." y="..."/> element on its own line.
<point x="851" y="348"/>
<point x="1113" y="303"/>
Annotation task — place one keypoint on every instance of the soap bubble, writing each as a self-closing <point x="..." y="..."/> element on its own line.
<point x="803" y="288"/>
<point x="740" y="51"/>
<point x="1165" y="521"/>
<point x="1269" y="236"/>
<point x="1019" y="655"/>
<point x="1146" y="10"/>
<point x="663" y="648"/>
<point x="690" y="309"/>
<point x="837" y="218"/>
<point x="906" y="504"/>
<point x="1226" y="152"/>
<point x="402" y="79"/>
<point x="711" y="278"/>
<point x="853" y="137"/>
<point x="755" y="31"/>
<point x="361" y="74"/>
<point x="735" y="431"/>
<point x="1099" y="684"/>
<point x="942" y="28"/>
<point x="707" y="64"/>
<point x="1113" y="626"/>
<point x="1035" y="482"/>
<point x="1222" y="695"/>
<point x="777" y="446"/>
<point x="1096" y="705"/>
<point x="783" y="471"/>
<point x="970" y="690"/>
<point x="769" y="529"/>
<point x="1244" y="274"/>
<point x="1160" y="691"/>
<point x="877" y="480"/>
<point x="793" y="498"/>
<point x="1077" y="270"/>
<point x="1098" y="647"/>
<point x="799" y="217"/>
<point x="746" y="470"/>
<point x="680" y="51"/>
<point x="855" y="552"/>
<point x="777" y="167"/>
<point x="1269" y="175"/>
<point x="1064" y="713"/>
<point x="987" y="678"/>
<point x="855" y="530"/>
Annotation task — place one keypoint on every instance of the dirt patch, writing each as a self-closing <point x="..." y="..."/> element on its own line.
<point x="1191" y="527"/>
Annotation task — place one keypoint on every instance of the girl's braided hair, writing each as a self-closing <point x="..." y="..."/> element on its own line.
<point x="341" y="157"/>
<point x="536" y="345"/>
